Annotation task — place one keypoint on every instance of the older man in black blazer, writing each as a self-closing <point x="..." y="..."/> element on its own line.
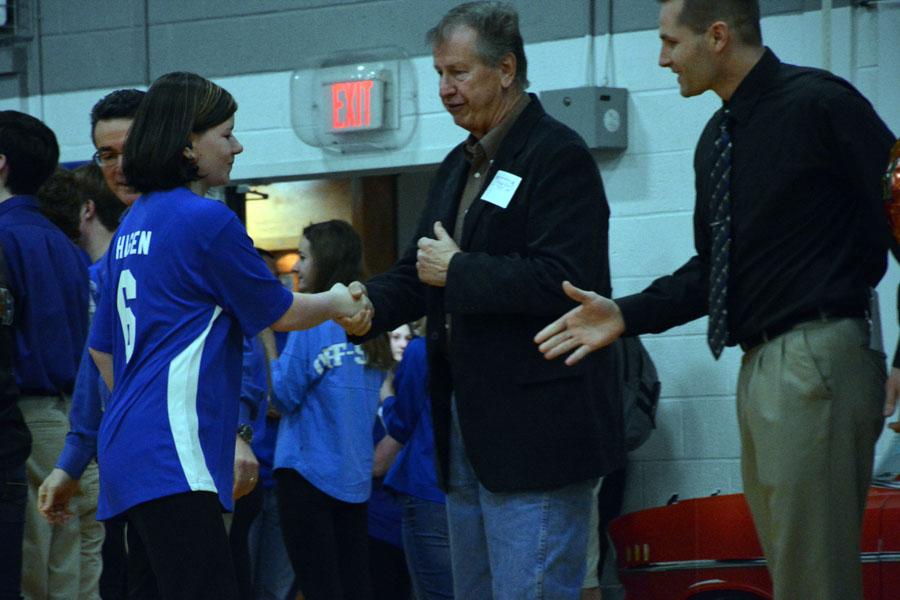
<point x="514" y="210"/>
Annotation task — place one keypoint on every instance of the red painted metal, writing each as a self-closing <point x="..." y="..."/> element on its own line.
<point x="709" y="544"/>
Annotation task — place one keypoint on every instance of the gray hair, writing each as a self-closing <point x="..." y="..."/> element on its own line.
<point x="497" y="27"/>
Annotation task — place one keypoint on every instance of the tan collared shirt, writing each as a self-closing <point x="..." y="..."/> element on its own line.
<point x="480" y="154"/>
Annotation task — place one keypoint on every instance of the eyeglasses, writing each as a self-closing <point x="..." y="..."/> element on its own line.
<point x="106" y="158"/>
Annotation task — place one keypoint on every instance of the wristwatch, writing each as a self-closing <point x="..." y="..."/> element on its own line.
<point x="245" y="432"/>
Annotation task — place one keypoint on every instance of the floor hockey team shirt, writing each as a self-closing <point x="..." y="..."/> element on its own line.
<point x="184" y="286"/>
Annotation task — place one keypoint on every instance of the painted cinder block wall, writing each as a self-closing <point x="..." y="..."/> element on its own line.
<point x="695" y="450"/>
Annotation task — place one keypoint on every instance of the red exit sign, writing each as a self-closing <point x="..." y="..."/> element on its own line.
<point x="356" y="105"/>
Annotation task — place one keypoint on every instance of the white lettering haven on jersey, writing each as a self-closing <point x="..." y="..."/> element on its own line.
<point x="136" y="242"/>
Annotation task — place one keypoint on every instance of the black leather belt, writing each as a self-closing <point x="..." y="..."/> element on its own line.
<point x="817" y="314"/>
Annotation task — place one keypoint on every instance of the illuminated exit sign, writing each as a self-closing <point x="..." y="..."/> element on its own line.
<point x="355" y="105"/>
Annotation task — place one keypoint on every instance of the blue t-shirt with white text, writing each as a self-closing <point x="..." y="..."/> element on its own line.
<point x="184" y="286"/>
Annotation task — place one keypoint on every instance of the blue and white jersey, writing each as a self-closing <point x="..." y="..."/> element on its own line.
<point x="184" y="285"/>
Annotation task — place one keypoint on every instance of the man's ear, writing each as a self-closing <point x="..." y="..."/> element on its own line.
<point x="508" y="70"/>
<point x="88" y="210"/>
<point x="720" y="35"/>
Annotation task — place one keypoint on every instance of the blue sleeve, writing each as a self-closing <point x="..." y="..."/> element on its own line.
<point x="395" y="420"/>
<point x="401" y="412"/>
<point x="290" y="374"/>
<point x="100" y="337"/>
<point x="84" y="420"/>
<point x="253" y="391"/>
<point x="242" y="283"/>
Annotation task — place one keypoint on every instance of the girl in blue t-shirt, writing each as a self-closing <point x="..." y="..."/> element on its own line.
<point x="327" y="392"/>
<point x="184" y="287"/>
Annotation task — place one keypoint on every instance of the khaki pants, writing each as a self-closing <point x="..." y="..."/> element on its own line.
<point x="58" y="562"/>
<point x="809" y="410"/>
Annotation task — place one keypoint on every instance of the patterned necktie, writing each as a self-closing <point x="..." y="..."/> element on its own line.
<point x="720" y="226"/>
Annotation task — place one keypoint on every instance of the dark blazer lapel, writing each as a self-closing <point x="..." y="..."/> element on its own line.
<point x="507" y="155"/>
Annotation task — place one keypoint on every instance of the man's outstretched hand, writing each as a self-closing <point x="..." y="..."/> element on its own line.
<point x="596" y="323"/>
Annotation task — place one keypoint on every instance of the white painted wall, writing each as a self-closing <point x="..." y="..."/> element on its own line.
<point x="695" y="450"/>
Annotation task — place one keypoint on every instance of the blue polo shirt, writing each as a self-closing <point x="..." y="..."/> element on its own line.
<point x="49" y="284"/>
<point x="184" y="287"/>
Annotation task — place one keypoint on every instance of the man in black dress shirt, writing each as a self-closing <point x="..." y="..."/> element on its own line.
<point x="808" y="241"/>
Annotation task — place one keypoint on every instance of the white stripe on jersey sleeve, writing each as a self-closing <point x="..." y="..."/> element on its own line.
<point x="184" y="376"/>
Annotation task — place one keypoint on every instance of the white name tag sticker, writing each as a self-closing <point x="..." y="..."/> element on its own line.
<point x="502" y="188"/>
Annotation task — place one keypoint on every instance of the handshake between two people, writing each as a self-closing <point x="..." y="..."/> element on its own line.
<point x="596" y="321"/>
<point x="433" y="258"/>
<point x="354" y="304"/>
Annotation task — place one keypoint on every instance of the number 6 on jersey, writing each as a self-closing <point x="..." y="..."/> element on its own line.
<point x="127" y="290"/>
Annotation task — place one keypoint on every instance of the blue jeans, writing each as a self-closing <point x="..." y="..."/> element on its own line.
<point x="13" y="497"/>
<point x="427" y="546"/>
<point x="273" y="575"/>
<point x="515" y="546"/>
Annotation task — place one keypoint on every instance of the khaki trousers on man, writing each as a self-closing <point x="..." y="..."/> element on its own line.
<point x="809" y="409"/>
<point x="63" y="561"/>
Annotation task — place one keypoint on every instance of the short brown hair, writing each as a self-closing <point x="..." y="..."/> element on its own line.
<point x="93" y="186"/>
<point x="176" y="105"/>
<point x="741" y="15"/>
<point x="64" y="193"/>
<point x="60" y="199"/>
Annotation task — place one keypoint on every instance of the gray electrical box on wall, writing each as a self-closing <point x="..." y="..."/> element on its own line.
<point x="598" y="114"/>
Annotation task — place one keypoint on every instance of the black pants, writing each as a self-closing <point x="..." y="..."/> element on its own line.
<point x="141" y="580"/>
<point x="187" y="547"/>
<point x="114" y="577"/>
<point x="13" y="496"/>
<point x="245" y="511"/>
<point x="326" y="540"/>
<point x="390" y="577"/>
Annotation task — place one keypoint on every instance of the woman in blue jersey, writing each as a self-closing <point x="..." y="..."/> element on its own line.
<point x="327" y="392"/>
<point x="184" y="287"/>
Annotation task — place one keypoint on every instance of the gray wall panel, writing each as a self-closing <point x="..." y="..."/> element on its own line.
<point x="11" y="86"/>
<point x="173" y="11"/>
<point x="66" y="16"/>
<point x="640" y="15"/>
<point x="283" y="41"/>
<point x="94" y="59"/>
<point x="277" y="41"/>
<point x="100" y="43"/>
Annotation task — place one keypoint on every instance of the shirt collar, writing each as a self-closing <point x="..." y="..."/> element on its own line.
<point x="490" y="142"/>
<point x="757" y="81"/>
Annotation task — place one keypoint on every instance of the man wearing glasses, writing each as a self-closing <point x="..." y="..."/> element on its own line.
<point x="75" y="473"/>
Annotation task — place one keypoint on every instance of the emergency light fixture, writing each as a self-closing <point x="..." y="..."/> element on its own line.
<point x="355" y="101"/>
